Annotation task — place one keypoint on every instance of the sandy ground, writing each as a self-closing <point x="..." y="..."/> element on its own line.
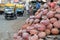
<point x="9" y="27"/>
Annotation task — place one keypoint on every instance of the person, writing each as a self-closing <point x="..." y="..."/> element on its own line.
<point x="38" y="5"/>
<point x="44" y="1"/>
<point x="31" y="10"/>
<point x="45" y="6"/>
<point x="27" y="7"/>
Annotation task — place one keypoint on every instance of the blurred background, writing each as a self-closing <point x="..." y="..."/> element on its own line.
<point x="13" y="14"/>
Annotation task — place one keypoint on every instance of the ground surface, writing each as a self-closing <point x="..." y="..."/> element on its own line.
<point x="9" y="27"/>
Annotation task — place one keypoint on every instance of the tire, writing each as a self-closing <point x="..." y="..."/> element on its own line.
<point x="7" y="18"/>
<point x="1" y="12"/>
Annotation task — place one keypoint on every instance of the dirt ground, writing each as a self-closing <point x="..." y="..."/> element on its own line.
<point x="9" y="27"/>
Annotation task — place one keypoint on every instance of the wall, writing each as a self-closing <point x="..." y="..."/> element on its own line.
<point x="0" y="1"/>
